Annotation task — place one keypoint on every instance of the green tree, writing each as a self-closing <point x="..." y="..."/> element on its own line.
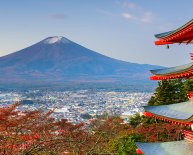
<point x="171" y="91"/>
<point x="126" y="144"/>
<point x="188" y="85"/>
<point x="137" y="119"/>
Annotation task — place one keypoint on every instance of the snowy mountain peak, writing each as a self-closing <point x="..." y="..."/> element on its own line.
<point x="56" y="39"/>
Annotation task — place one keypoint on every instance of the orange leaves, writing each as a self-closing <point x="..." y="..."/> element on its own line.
<point x="28" y="137"/>
<point x="35" y="131"/>
<point x="160" y="132"/>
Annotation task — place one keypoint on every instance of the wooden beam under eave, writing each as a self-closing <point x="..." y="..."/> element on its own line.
<point x="162" y="42"/>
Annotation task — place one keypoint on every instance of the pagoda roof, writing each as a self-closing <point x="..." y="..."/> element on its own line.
<point x="179" y="112"/>
<point x="166" y="148"/>
<point x="183" y="71"/>
<point x="184" y="34"/>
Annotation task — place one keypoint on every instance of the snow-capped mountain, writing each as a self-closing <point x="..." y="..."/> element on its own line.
<point x="57" y="59"/>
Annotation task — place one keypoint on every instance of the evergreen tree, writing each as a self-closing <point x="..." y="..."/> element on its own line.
<point x="188" y="85"/>
<point x="171" y="91"/>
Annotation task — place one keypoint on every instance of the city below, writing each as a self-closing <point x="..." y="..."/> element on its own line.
<point x="78" y="105"/>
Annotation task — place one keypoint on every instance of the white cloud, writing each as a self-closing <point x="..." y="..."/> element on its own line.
<point x="146" y="17"/>
<point x="128" y="16"/>
<point x="137" y="13"/>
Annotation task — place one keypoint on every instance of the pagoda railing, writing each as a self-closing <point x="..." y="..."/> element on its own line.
<point x="188" y="135"/>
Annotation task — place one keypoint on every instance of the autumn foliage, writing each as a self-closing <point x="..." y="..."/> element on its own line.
<point x="36" y="132"/>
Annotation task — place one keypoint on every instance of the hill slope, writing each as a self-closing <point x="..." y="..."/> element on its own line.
<point x="57" y="59"/>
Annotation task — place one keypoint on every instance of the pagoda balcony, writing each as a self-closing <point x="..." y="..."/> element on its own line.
<point x="188" y="135"/>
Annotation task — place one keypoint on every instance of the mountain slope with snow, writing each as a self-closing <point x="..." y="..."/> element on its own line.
<point x="57" y="59"/>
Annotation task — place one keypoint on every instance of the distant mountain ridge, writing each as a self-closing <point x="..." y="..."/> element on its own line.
<point x="57" y="59"/>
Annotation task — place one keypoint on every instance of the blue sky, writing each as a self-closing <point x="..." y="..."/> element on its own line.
<point x="122" y="29"/>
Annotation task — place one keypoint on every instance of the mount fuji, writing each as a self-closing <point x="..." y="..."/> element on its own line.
<point x="60" y="60"/>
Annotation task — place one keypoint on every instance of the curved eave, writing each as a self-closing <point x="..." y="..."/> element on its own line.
<point x="138" y="151"/>
<point x="172" y="76"/>
<point x="185" y="39"/>
<point x="169" y="33"/>
<point x="163" y="35"/>
<point x="179" y="113"/>
<point x="183" y="34"/>
<point x="185" y="122"/>
<point x="184" y="71"/>
<point x="166" y="148"/>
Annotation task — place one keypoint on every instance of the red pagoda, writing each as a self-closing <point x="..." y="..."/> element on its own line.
<point x="179" y="113"/>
